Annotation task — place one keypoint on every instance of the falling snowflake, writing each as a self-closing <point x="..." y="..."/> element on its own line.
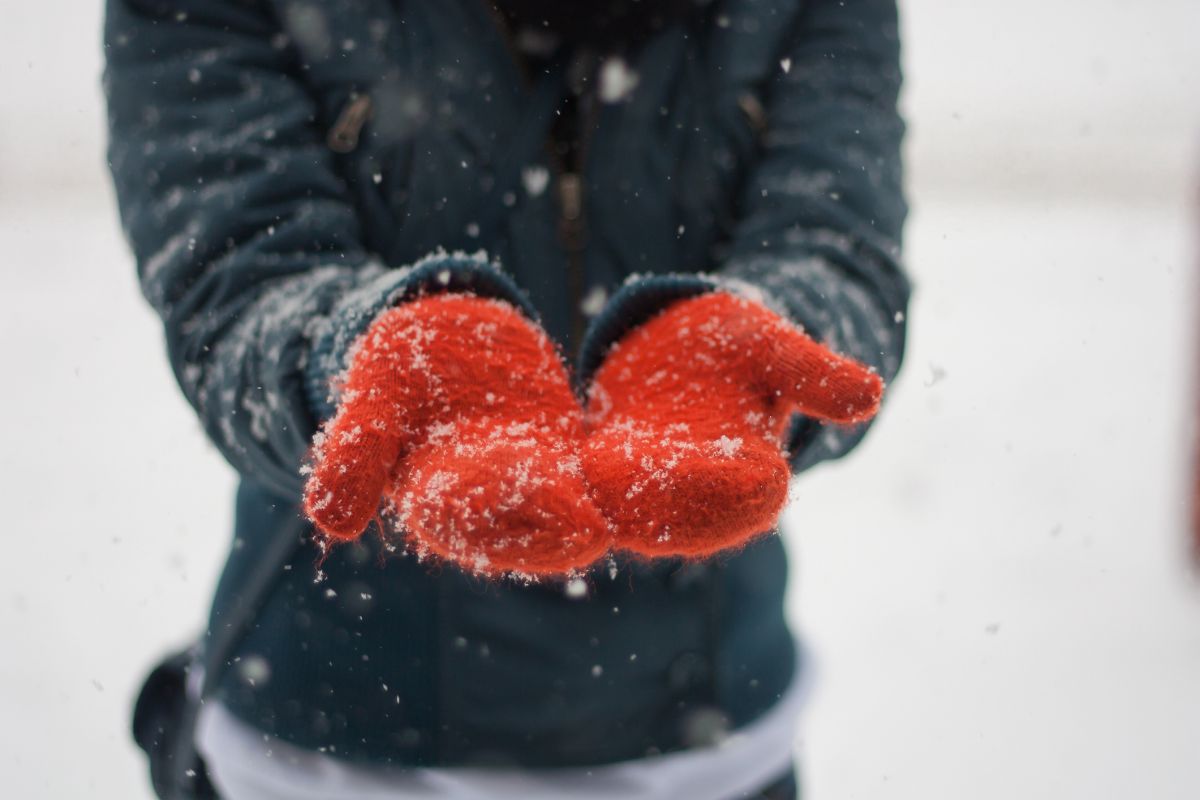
<point x="593" y="302"/>
<point x="617" y="80"/>
<point x="535" y="178"/>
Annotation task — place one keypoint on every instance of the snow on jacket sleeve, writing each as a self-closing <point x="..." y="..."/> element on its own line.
<point x="820" y="216"/>
<point x="247" y="243"/>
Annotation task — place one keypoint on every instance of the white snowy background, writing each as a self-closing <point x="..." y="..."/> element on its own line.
<point x="995" y="583"/>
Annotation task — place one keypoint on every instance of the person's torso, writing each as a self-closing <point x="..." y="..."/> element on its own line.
<point x="389" y="660"/>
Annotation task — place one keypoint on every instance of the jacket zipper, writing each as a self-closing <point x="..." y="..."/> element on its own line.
<point x="572" y="230"/>
<point x="572" y="224"/>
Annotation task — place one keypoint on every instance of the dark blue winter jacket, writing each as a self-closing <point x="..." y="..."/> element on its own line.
<point x="288" y="168"/>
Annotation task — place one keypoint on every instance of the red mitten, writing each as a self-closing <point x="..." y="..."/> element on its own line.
<point x="686" y="415"/>
<point x="457" y="411"/>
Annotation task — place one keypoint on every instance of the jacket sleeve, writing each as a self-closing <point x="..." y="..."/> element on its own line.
<point x="247" y="242"/>
<point x="820" y="215"/>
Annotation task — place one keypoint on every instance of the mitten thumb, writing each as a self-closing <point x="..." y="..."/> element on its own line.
<point x="818" y="382"/>
<point x="352" y="463"/>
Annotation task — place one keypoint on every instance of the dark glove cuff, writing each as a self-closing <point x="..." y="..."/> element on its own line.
<point x="638" y="300"/>
<point x="641" y="298"/>
<point x="440" y="272"/>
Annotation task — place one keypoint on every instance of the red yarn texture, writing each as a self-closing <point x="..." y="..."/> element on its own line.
<point x="686" y="416"/>
<point x="457" y="413"/>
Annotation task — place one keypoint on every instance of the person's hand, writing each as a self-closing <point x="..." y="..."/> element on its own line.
<point x="457" y="413"/>
<point x="686" y="415"/>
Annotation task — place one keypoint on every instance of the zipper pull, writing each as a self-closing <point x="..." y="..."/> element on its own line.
<point x="756" y="115"/>
<point x="570" y="198"/>
<point x="343" y="136"/>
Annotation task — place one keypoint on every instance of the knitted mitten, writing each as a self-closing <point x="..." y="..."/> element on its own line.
<point x="686" y="416"/>
<point x="457" y="412"/>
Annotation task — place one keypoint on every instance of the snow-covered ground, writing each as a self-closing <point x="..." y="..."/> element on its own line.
<point x="995" y="582"/>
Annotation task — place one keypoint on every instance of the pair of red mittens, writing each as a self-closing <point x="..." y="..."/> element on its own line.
<point x="458" y="413"/>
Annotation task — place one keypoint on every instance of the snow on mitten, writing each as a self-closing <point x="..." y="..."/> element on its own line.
<point x="457" y="413"/>
<point x="686" y="416"/>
